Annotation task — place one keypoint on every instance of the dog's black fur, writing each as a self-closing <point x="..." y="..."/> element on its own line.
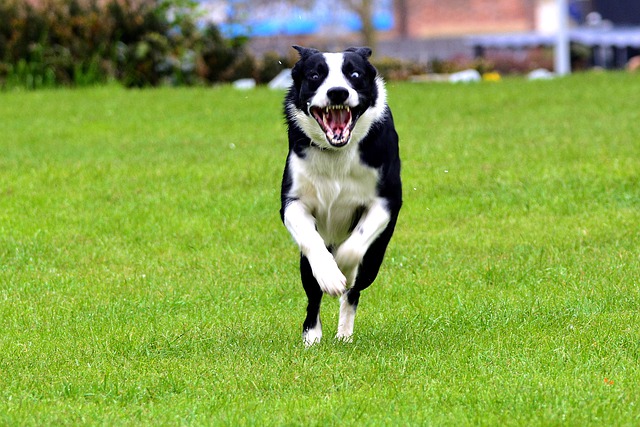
<point x="341" y="187"/>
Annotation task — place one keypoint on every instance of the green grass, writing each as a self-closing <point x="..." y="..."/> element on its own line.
<point x="145" y="277"/>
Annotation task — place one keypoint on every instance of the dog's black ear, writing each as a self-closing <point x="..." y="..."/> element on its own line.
<point x="305" y="52"/>
<point x="365" y="52"/>
<point x="296" y="72"/>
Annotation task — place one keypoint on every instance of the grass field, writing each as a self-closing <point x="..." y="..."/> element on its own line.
<point x="146" y="279"/>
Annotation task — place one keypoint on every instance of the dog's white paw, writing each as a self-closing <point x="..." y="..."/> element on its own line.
<point x="344" y="338"/>
<point x="349" y="255"/>
<point x="312" y="336"/>
<point x="332" y="281"/>
<point x="328" y="275"/>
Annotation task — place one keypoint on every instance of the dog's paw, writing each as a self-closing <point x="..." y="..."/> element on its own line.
<point x="332" y="281"/>
<point x="329" y="276"/>
<point x="344" y="338"/>
<point x="349" y="255"/>
<point x="311" y="337"/>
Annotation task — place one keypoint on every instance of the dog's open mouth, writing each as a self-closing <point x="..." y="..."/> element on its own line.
<point x="336" y="121"/>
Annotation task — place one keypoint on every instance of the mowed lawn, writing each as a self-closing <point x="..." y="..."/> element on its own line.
<point x="146" y="278"/>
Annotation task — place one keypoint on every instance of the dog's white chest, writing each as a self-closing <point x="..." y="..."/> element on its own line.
<point x="333" y="187"/>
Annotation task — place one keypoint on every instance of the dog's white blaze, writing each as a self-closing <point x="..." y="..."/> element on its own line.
<point x="346" y="319"/>
<point x="312" y="336"/>
<point x="335" y="78"/>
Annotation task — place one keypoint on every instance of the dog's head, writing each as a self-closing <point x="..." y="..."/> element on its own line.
<point x="335" y="97"/>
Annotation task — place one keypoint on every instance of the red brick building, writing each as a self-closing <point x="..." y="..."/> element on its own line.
<point x="444" y="18"/>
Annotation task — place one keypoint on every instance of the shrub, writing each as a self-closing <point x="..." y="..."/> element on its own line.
<point x="137" y="42"/>
<point x="396" y="69"/>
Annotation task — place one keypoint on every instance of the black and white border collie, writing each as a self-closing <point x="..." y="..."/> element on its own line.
<point x="341" y="189"/>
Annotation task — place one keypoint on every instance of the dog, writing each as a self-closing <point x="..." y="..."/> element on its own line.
<point x="341" y="188"/>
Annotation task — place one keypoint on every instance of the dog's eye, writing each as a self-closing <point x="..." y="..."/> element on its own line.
<point x="314" y="76"/>
<point x="355" y="75"/>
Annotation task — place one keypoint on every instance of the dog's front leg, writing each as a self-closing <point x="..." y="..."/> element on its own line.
<point x="302" y="227"/>
<point x="373" y="222"/>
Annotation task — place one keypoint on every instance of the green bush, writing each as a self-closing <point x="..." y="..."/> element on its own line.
<point x="136" y="42"/>
<point x="396" y="69"/>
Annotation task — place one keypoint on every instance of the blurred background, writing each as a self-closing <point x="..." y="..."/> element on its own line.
<point x="140" y="43"/>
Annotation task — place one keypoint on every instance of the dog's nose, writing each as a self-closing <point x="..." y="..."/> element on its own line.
<point x="337" y="95"/>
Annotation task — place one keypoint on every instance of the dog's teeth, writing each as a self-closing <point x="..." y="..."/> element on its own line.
<point x="336" y="107"/>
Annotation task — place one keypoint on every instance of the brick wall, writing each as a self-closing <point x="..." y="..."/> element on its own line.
<point x="433" y="18"/>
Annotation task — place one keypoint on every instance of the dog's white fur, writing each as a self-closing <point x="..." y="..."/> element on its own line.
<point x="315" y="221"/>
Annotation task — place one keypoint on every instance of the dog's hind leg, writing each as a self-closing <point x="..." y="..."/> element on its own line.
<point x="312" y="326"/>
<point x="348" y="306"/>
<point x="366" y="273"/>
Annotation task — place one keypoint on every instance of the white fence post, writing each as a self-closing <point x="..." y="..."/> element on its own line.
<point x="562" y="53"/>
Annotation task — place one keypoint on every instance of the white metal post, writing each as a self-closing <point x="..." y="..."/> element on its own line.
<point x="562" y="55"/>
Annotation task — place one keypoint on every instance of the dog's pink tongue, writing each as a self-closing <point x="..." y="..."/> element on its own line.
<point x="338" y="120"/>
